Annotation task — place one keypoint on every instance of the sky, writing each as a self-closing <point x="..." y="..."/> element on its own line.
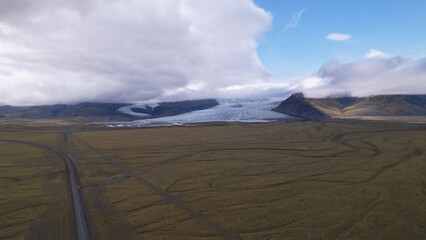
<point x="394" y="27"/>
<point x="70" y="51"/>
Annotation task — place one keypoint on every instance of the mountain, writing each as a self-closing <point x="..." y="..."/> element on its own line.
<point x="105" y="111"/>
<point x="87" y="110"/>
<point x="342" y="107"/>
<point x="389" y="105"/>
<point x="299" y="106"/>
<point x="164" y="109"/>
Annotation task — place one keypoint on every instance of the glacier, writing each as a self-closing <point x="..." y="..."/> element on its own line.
<point x="228" y="110"/>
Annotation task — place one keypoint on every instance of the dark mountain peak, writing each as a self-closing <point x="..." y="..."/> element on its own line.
<point x="298" y="95"/>
<point x="297" y="105"/>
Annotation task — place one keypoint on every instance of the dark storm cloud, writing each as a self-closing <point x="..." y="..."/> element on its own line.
<point x="55" y="51"/>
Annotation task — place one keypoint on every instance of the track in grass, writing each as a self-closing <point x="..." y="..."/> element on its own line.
<point x="82" y="229"/>
<point x="225" y="233"/>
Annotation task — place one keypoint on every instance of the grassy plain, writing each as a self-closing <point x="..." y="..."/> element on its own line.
<point x="291" y="180"/>
<point x="34" y="198"/>
<point x="287" y="180"/>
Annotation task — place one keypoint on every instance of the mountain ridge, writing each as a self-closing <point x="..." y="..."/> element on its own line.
<point x="103" y="111"/>
<point x="57" y="111"/>
<point x="164" y="109"/>
<point x="343" y="107"/>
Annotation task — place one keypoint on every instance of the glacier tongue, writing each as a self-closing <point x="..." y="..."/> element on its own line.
<point x="231" y="110"/>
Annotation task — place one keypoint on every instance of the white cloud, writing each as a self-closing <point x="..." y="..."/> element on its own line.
<point x="294" y="20"/>
<point x="261" y="89"/>
<point x="338" y="36"/>
<point x="371" y="76"/>
<point x="373" y="53"/>
<point x="314" y="81"/>
<point x="61" y="51"/>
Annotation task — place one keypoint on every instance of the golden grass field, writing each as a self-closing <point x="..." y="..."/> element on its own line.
<point x="285" y="180"/>
<point x="34" y="197"/>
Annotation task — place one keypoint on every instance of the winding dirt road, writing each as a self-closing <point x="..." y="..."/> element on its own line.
<point x="80" y="220"/>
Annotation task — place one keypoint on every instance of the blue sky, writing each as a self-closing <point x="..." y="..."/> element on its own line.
<point x="393" y="27"/>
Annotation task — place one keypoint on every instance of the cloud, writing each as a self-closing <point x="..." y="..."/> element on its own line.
<point x="294" y="20"/>
<point x="370" y="76"/>
<point x="373" y="53"/>
<point x="338" y="36"/>
<point x="60" y="51"/>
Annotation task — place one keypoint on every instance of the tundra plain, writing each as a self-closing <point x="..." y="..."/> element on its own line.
<point x="345" y="179"/>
